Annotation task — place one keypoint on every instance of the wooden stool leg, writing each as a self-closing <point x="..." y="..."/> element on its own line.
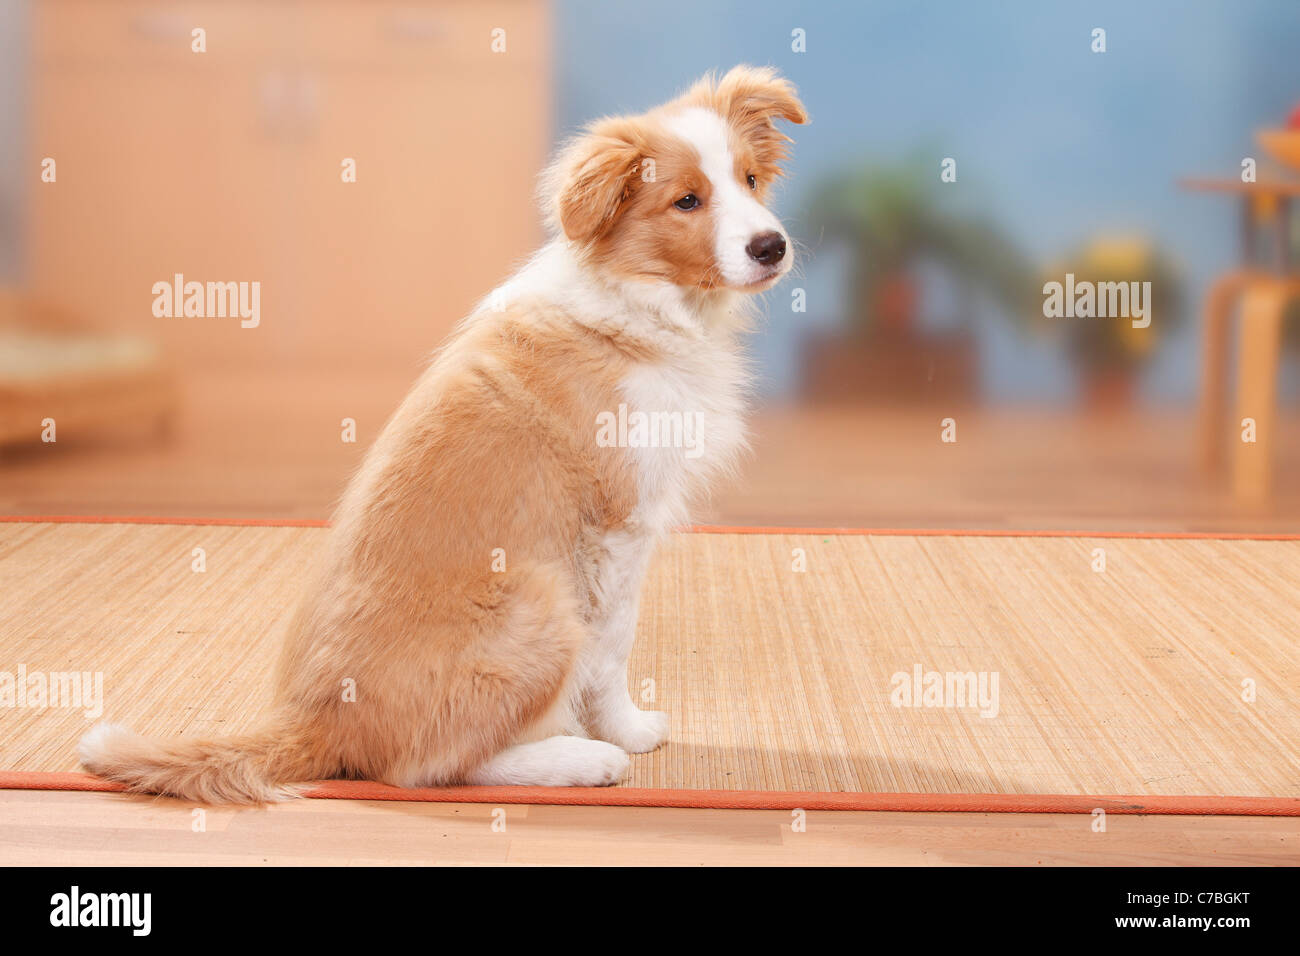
<point x="1214" y="368"/>
<point x="1257" y="369"/>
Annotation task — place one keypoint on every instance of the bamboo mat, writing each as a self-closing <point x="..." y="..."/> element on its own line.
<point x="1126" y="681"/>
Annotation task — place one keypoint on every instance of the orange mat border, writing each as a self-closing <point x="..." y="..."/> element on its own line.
<point x="704" y="528"/>
<point x="733" y="799"/>
<point x="720" y="799"/>
<point x="143" y="519"/>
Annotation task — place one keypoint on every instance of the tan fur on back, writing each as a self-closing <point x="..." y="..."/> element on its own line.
<point x="492" y="449"/>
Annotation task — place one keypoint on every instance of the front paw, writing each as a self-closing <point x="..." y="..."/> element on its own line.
<point x="636" y="731"/>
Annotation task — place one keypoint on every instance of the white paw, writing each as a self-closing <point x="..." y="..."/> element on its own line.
<point x="607" y="767"/>
<point x="637" y="731"/>
<point x="579" y="762"/>
<point x="554" y="762"/>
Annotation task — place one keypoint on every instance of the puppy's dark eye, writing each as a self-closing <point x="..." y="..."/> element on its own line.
<point x="753" y="183"/>
<point x="689" y="201"/>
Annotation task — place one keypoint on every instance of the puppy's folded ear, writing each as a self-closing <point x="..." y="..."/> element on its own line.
<point x="590" y="182"/>
<point x="752" y="95"/>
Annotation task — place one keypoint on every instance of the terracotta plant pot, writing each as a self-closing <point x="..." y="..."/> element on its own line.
<point x="895" y="304"/>
<point x="1108" y="390"/>
<point x="888" y="368"/>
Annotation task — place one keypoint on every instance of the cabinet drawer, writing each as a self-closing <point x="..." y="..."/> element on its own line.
<point x="147" y="33"/>
<point x="393" y="34"/>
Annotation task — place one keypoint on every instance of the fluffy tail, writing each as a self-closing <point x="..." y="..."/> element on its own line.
<point x="256" y="768"/>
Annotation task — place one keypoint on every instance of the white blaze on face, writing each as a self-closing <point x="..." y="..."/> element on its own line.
<point x="737" y="215"/>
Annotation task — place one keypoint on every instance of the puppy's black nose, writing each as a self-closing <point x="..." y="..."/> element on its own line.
<point x="767" y="248"/>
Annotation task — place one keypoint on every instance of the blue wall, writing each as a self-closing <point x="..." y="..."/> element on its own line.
<point x="1059" y="142"/>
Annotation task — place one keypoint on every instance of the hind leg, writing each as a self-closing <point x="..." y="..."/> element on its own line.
<point x="554" y="762"/>
<point x="508" y="684"/>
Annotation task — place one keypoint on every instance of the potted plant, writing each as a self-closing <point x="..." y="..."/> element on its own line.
<point x="892" y="220"/>
<point x="1109" y="351"/>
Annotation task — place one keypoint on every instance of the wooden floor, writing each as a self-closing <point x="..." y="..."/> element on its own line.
<point x="96" y="829"/>
<point x="270" y="446"/>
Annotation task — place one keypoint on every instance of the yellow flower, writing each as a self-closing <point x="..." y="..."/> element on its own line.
<point x="1137" y="341"/>
<point x="1120" y="255"/>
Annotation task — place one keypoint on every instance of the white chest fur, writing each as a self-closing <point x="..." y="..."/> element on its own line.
<point x="681" y="416"/>
<point x="685" y="427"/>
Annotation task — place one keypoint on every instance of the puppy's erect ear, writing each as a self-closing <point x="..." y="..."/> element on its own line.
<point x="592" y="180"/>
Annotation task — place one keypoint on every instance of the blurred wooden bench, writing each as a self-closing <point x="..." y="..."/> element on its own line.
<point x="89" y="383"/>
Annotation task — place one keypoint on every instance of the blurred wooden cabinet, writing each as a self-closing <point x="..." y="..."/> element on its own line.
<point x="225" y="166"/>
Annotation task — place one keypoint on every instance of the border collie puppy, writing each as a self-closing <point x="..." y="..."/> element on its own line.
<point x="473" y="610"/>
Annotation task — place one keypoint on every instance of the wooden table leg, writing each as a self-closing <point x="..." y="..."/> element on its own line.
<point x="1263" y="305"/>
<point x="1214" y="431"/>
